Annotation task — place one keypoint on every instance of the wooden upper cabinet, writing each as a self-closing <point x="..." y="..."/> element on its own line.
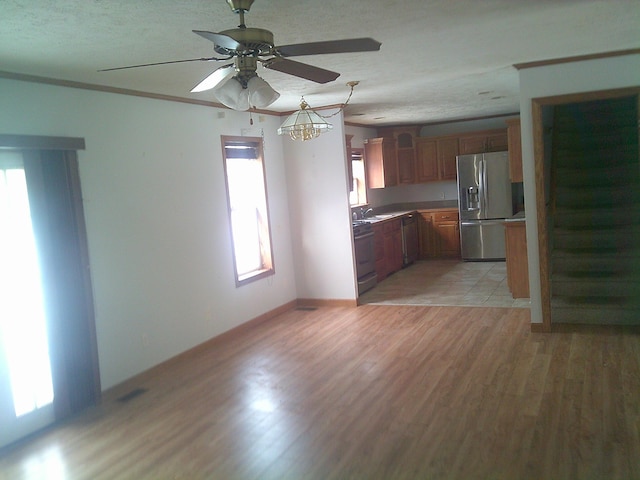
<point x="436" y="158"/>
<point x="406" y="165"/>
<point x="348" y="160"/>
<point x="486" y="141"/>
<point x="497" y="142"/>
<point x="448" y="150"/>
<point x="405" y="138"/>
<point x="515" y="150"/>
<point x="426" y="160"/>
<point x="381" y="162"/>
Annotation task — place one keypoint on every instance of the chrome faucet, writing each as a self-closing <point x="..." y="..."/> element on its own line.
<point x="364" y="213"/>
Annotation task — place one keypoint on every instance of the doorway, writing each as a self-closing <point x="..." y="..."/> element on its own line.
<point x="585" y="211"/>
<point x="26" y="389"/>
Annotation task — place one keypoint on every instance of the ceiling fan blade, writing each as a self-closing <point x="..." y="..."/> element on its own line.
<point x="209" y="59"/>
<point x="219" y="39"/>
<point x="214" y="79"/>
<point x="302" y="70"/>
<point x="331" y="46"/>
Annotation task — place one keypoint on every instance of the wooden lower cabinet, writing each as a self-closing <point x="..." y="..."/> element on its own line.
<point x="388" y="247"/>
<point x="439" y="234"/>
<point x="378" y="247"/>
<point x="426" y="236"/>
<point x="448" y="234"/>
<point x="517" y="261"/>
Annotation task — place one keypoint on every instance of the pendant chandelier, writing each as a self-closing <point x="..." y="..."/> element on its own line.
<point x="306" y="124"/>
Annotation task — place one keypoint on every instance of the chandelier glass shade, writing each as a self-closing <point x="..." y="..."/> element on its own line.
<point x="304" y="124"/>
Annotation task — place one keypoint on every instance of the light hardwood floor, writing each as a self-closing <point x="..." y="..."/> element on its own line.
<point x="374" y="392"/>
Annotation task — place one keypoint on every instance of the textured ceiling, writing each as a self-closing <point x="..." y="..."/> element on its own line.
<point x="440" y="59"/>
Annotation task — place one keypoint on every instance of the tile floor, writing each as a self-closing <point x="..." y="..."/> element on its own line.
<point x="448" y="283"/>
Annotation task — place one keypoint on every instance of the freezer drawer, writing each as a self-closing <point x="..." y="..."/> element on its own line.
<point x="482" y="240"/>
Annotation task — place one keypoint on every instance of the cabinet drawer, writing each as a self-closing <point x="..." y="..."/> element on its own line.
<point x="451" y="216"/>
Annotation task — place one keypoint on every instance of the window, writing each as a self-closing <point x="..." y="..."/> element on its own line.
<point x="358" y="193"/>
<point x="248" y="214"/>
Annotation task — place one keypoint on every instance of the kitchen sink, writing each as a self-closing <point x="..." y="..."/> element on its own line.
<point x="377" y="218"/>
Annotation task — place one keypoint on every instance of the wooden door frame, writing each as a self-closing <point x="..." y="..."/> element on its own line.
<point x="537" y="105"/>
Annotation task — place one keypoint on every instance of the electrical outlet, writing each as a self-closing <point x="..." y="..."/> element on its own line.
<point x="442" y="195"/>
<point x="145" y="340"/>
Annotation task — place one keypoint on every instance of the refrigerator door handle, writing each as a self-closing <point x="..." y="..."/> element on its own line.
<point x="485" y="185"/>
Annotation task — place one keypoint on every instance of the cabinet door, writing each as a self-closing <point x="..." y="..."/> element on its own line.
<point x="486" y="141"/>
<point x="378" y="248"/>
<point x="390" y="162"/>
<point x="394" y="255"/>
<point x="349" y="162"/>
<point x="392" y="246"/>
<point x="426" y="236"/>
<point x="374" y="163"/>
<point x="447" y="152"/>
<point x="406" y="165"/>
<point x="497" y="142"/>
<point x="516" y="257"/>
<point x="472" y="144"/>
<point x="381" y="162"/>
<point x="515" y="150"/>
<point x="448" y="239"/>
<point x="426" y="160"/>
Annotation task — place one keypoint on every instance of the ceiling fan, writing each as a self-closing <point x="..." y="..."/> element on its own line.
<point x="249" y="46"/>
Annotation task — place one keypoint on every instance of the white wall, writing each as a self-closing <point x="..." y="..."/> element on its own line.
<point x="360" y="134"/>
<point x="419" y="192"/>
<point x="320" y="215"/>
<point x="156" y="214"/>
<point x="547" y="81"/>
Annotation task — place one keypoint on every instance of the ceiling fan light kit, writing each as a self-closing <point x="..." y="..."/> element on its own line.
<point x="238" y="96"/>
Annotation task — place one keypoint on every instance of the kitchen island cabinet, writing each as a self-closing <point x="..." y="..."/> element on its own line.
<point x="516" y="257"/>
<point x="515" y="150"/>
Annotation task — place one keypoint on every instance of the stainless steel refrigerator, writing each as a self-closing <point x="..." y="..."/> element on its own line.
<point x="484" y="200"/>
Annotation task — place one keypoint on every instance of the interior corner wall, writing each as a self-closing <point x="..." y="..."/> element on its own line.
<point x="155" y="206"/>
<point x="554" y="80"/>
<point x="320" y="215"/>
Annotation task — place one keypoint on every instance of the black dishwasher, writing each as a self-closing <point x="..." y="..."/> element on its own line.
<point x="409" y="239"/>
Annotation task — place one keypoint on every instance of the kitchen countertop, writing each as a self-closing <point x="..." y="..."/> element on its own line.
<point x="518" y="217"/>
<point x="389" y="212"/>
